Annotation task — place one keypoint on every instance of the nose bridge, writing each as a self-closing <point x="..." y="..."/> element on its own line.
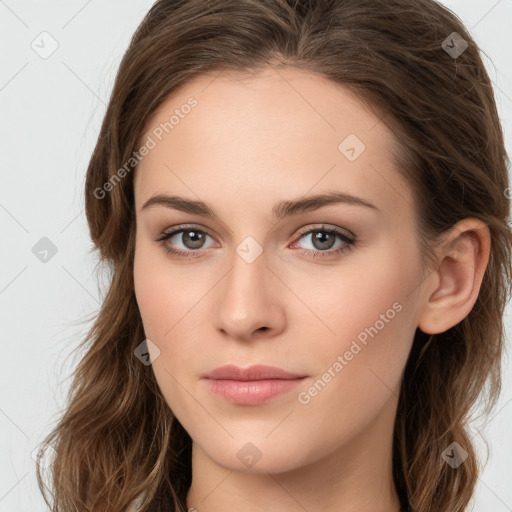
<point x="245" y="287"/>
<point x="247" y="300"/>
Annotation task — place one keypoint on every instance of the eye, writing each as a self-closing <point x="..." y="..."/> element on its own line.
<point x="323" y="239"/>
<point x="190" y="238"/>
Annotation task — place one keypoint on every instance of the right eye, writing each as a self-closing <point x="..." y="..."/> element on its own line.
<point x="191" y="238"/>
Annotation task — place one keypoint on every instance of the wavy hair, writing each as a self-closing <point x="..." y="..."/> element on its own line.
<point x="117" y="438"/>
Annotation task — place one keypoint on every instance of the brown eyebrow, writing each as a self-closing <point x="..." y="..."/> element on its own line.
<point x="280" y="210"/>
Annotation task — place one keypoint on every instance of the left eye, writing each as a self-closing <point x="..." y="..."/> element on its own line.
<point x="323" y="240"/>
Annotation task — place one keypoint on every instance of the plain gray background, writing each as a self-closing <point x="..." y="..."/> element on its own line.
<point x="51" y="109"/>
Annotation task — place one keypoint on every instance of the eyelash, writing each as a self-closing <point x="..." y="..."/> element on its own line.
<point x="314" y="254"/>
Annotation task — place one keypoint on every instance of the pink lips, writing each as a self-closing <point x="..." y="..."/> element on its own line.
<point x="251" y="386"/>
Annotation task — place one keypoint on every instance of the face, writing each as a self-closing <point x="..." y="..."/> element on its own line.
<point x="327" y="291"/>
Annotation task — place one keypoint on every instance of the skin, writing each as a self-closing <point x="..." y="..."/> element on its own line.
<point x="251" y="142"/>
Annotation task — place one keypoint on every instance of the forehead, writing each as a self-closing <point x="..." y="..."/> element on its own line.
<point x="280" y="131"/>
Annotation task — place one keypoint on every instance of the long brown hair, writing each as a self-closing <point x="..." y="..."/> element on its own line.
<point x="117" y="438"/>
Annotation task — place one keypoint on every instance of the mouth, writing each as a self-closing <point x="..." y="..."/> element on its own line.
<point x="252" y="386"/>
<point x="252" y="392"/>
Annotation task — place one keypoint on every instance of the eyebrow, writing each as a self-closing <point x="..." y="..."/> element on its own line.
<point x="280" y="210"/>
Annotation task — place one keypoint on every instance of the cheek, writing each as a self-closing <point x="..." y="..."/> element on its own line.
<point x="151" y="299"/>
<point x="162" y="311"/>
<point x="161" y="294"/>
<point x="373" y="317"/>
<point x="359" y="371"/>
<point x="168" y="297"/>
<point x="369" y="292"/>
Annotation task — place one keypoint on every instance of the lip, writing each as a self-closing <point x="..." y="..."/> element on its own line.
<point x="256" y="372"/>
<point x="251" y="386"/>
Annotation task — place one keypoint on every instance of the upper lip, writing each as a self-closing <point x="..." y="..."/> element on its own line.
<point x="257" y="372"/>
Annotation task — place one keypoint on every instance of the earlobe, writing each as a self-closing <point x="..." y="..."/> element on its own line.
<point x="457" y="280"/>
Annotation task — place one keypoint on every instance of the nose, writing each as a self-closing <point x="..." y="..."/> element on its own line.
<point x="249" y="301"/>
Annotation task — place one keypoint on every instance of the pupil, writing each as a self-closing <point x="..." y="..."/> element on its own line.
<point x="326" y="240"/>
<point x="188" y="240"/>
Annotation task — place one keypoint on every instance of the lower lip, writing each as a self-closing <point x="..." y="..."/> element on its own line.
<point x="252" y="392"/>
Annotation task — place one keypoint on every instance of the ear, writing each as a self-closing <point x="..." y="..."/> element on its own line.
<point x="452" y="289"/>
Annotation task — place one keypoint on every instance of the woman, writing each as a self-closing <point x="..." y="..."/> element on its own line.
<point x="305" y="208"/>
